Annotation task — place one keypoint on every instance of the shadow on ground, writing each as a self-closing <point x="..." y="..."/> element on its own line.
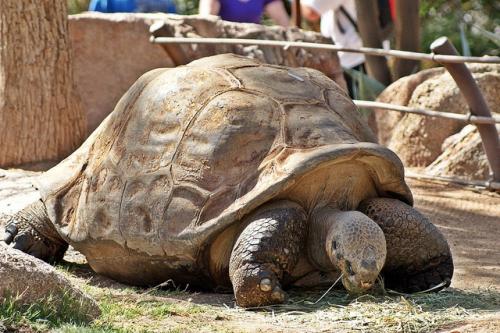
<point x="487" y="299"/>
<point x="470" y="220"/>
<point x="192" y="311"/>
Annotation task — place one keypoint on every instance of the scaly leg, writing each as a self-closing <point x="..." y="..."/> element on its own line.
<point x="31" y="231"/>
<point x="418" y="256"/>
<point x="268" y="248"/>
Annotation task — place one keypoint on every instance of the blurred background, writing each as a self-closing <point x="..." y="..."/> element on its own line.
<point x="472" y="25"/>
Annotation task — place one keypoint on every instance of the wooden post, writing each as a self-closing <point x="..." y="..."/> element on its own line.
<point x="369" y="30"/>
<point x="476" y="102"/>
<point x="175" y="52"/>
<point x="407" y="30"/>
<point x="296" y="14"/>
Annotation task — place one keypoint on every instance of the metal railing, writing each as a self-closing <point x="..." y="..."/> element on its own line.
<point x="443" y="53"/>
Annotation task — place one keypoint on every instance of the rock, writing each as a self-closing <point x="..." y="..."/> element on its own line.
<point x="463" y="155"/>
<point x="417" y="139"/>
<point x="110" y="51"/>
<point x="202" y="26"/>
<point x="30" y="280"/>
<point x="398" y="93"/>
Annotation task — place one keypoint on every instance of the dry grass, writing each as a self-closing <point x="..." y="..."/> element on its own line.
<point x="384" y="313"/>
<point x="126" y="309"/>
<point x="137" y="310"/>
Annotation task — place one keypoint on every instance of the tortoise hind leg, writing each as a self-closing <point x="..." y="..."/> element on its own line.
<point x="418" y="256"/>
<point x="268" y="248"/>
<point x="31" y="231"/>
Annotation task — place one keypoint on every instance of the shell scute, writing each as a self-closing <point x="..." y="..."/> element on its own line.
<point x="322" y="129"/>
<point x="208" y="155"/>
<point x="160" y="116"/>
<point x="281" y="84"/>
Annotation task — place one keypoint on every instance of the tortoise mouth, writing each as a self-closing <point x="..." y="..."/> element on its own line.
<point x="357" y="287"/>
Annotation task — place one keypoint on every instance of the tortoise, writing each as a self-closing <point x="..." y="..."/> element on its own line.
<point x="228" y="172"/>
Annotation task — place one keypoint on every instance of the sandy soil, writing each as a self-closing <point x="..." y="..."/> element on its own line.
<point x="487" y="324"/>
<point x="16" y="189"/>
<point x="469" y="218"/>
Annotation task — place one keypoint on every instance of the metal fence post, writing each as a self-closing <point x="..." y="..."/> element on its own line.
<point x="476" y="102"/>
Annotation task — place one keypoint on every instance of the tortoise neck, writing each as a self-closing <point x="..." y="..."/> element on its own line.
<point x="322" y="228"/>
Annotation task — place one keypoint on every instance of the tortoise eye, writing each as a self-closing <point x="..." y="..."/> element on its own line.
<point x="349" y="268"/>
<point x="334" y="245"/>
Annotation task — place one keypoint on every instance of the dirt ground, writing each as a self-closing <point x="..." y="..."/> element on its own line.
<point x="469" y="218"/>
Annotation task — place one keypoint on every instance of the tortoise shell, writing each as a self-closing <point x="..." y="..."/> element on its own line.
<point x="189" y="151"/>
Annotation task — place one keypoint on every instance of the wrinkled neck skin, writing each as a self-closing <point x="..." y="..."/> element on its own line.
<point x="349" y="242"/>
<point x="321" y="230"/>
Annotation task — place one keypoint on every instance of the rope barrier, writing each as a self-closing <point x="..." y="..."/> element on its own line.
<point x="365" y="50"/>
<point x="424" y="112"/>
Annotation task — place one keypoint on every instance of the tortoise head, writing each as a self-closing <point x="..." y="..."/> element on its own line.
<point x="354" y="244"/>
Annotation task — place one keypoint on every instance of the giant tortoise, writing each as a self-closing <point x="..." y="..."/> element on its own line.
<point x="232" y="173"/>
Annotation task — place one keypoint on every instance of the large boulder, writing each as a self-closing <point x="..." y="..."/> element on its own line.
<point x="398" y="93"/>
<point x="28" y="280"/>
<point x="417" y="139"/>
<point x="463" y="155"/>
<point x="111" y="51"/>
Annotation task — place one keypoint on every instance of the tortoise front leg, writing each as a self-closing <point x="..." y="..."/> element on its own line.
<point x="418" y="256"/>
<point x="31" y="231"/>
<point x="268" y="247"/>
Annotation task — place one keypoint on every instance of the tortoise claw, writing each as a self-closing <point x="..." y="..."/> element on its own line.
<point x="266" y="284"/>
<point x="10" y="233"/>
<point x="31" y="231"/>
<point x="22" y="236"/>
<point x="278" y="295"/>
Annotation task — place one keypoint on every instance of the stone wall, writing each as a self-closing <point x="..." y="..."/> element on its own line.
<point x="112" y="50"/>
